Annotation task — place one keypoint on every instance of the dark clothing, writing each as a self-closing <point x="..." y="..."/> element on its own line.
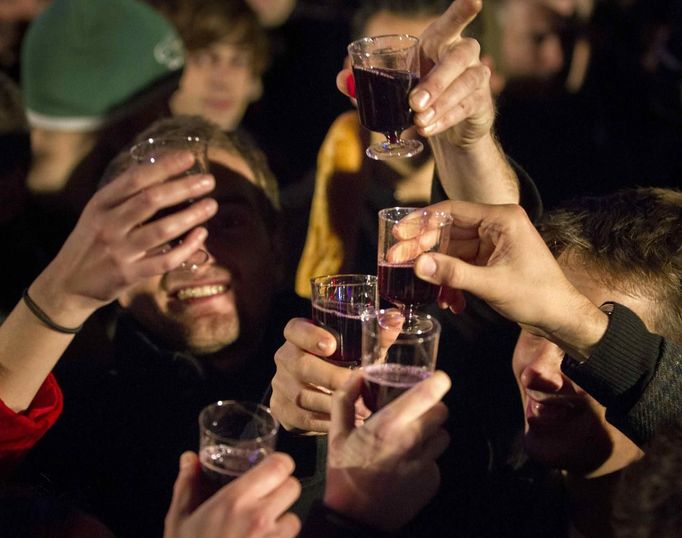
<point x="635" y="374"/>
<point x="118" y="442"/>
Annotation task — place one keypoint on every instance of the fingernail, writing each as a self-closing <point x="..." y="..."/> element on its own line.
<point x="429" y="128"/>
<point x="206" y="181"/>
<point x="186" y="460"/>
<point x="323" y="345"/>
<point x="426" y="266"/>
<point x="421" y="99"/>
<point x="350" y="84"/>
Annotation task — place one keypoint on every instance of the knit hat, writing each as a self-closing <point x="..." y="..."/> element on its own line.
<point x="83" y="58"/>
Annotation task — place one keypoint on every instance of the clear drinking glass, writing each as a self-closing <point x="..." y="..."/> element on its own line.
<point x="393" y="358"/>
<point x="150" y="150"/>
<point x="233" y="437"/>
<point x="404" y="234"/>
<point x="339" y="302"/>
<point x="385" y="69"/>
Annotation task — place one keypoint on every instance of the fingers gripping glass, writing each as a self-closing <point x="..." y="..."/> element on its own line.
<point x="149" y="151"/>
<point x="404" y="234"/>
<point x="385" y="69"/>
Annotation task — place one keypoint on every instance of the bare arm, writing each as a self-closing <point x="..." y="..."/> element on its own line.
<point x="454" y="108"/>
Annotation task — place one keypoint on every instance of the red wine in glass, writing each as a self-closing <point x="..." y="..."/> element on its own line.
<point x="385" y="69"/>
<point x="382" y="96"/>
<point x="399" y="285"/>
<point x="220" y="464"/>
<point x="347" y="329"/>
<point x="384" y="382"/>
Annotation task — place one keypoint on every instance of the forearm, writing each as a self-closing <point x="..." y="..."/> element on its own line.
<point x="29" y="349"/>
<point x="478" y="173"/>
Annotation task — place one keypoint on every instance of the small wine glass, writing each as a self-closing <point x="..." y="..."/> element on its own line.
<point x="404" y="234"/>
<point x="385" y="69"/>
<point x="395" y="357"/>
<point x="149" y="151"/>
<point x="233" y="437"/>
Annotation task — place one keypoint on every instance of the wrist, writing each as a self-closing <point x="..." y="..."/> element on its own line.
<point x="581" y="331"/>
<point x="66" y="309"/>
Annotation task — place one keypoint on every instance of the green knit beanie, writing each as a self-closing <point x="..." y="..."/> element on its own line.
<point x="81" y="59"/>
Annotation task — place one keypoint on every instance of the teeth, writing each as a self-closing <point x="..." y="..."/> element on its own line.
<point x="200" y="291"/>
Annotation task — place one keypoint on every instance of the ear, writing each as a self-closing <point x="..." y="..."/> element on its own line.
<point x="256" y="89"/>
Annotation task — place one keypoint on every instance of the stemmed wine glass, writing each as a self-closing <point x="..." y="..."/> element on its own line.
<point x="404" y="234"/>
<point x="385" y="69"/>
<point x="149" y="151"/>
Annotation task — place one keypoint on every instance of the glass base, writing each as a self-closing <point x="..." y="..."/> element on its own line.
<point x="388" y="150"/>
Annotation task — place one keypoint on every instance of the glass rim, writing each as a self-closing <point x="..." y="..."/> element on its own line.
<point x="134" y="150"/>
<point x="444" y="218"/>
<point x="347" y="279"/>
<point x="253" y="407"/>
<point x="355" y="46"/>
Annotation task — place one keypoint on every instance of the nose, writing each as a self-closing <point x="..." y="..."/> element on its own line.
<point x="543" y="371"/>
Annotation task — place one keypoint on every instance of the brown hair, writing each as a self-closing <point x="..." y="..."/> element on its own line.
<point x="235" y="143"/>
<point x="630" y="241"/>
<point x="202" y="23"/>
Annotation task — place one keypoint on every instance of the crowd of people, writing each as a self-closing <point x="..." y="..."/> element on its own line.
<point x="551" y="130"/>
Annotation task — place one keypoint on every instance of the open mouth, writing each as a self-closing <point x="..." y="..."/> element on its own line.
<point x="200" y="292"/>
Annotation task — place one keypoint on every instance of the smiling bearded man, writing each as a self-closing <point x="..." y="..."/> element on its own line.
<point x="182" y="341"/>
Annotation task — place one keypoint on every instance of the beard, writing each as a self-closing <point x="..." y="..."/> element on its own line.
<point x="207" y="334"/>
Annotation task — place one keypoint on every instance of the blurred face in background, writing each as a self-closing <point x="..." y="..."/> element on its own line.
<point x="218" y="83"/>
<point x="530" y="44"/>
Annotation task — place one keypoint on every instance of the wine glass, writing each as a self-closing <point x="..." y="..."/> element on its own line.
<point x="404" y="234"/>
<point x="149" y="151"/>
<point x="385" y="69"/>
<point x="339" y="302"/>
<point x="395" y="357"/>
<point x="233" y="437"/>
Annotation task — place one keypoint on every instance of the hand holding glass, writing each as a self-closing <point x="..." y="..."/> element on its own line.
<point x="150" y="150"/>
<point x="385" y="69"/>
<point x="404" y="234"/>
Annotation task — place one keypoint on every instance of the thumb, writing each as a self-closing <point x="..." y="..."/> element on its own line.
<point x="452" y="272"/>
<point x="186" y="495"/>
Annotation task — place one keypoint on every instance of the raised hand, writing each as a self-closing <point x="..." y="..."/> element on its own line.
<point x="496" y="253"/>
<point x="114" y="244"/>
<point x="454" y="92"/>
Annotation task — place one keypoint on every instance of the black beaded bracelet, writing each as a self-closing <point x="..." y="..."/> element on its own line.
<point x="42" y="316"/>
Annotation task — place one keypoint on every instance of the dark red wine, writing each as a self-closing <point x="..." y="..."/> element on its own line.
<point x="382" y="96"/>
<point x="399" y="285"/>
<point x="385" y="382"/>
<point x="348" y="333"/>
<point x="220" y="464"/>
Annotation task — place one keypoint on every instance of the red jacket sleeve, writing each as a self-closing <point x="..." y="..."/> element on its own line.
<point x="20" y="431"/>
